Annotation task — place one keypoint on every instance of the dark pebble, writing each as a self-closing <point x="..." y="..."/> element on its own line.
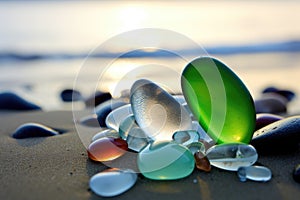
<point x="296" y="173"/>
<point x="11" y="101"/>
<point x="69" y="95"/>
<point x="265" y="119"/>
<point x="97" y="99"/>
<point x="288" y="94"/>
<point x="280" y="136"/>
<point x="106" y="107"/>
<point x="29" y="130"/>
<point x="271" y="103"/>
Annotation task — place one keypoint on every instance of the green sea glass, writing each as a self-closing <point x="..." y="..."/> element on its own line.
<point x="219" y="100"/>
<point x="164" y="160"/>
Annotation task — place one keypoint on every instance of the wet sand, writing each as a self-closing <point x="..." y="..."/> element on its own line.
<point x="58" y="168"/>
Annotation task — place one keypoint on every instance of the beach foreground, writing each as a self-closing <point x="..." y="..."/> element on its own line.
<point x="58" y="168"/>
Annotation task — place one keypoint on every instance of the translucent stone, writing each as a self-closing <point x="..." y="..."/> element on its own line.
<point x="202" y="162"/>
<point x="106" y="133"/>
<point x="186" y="137"/>
<point x="219" y="100"/>
<point x="157" y="112"/>
<point x="115" y="117"/>
<point x="164" y="160"/>
<point x="112" y="182"/>
<point x="136" y="138"/>
<point x="29" y="130"/>
<point x="255" y="173"/>
<point x="196" y="147"/>
<point x="203" y="135"/>
<point x="106" y="149"/>
<point x="231" y="156"/>
<point x="179" y="98"/>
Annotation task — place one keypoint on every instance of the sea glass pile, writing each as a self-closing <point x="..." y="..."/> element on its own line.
<point x="212" y="123"/>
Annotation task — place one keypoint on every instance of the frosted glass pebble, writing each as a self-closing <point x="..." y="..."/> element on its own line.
<point x="112" y="182"/>
<point x="232" y="156"/>
<point x="115" y="117"/>
<point x="157" y="112"/>
<point x="255" y="173"/>
<point x="186" y="137"/>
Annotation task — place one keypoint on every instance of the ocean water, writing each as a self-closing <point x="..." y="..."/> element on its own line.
<point x="47" y="46"/>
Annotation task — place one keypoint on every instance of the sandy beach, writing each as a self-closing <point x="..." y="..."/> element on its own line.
<point x="58" y="168"/>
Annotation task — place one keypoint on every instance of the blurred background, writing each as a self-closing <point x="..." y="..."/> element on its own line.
<point x="43" y="44"/>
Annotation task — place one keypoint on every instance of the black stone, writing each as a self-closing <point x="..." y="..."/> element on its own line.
<point x="69" y="95"/>
<point x="280" y="136"/>
<point x="11" y="101"/>
<point x="106" y="107"/>
<point x="29" y="130"/>
<point x="271" y="103"/>
<point x="97" y="99"/>
<point x="288" y="94"/>
<point x="265" y="119"/>
<point x="91" y="121"/>
<point x="296" y="173"/>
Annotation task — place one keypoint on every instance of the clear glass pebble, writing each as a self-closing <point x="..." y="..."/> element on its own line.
<point x="186" y="137"/>
<point x="255" y="173"/>
<point x="136" y="138"/>
<point x="203" y="135"/>
<point x="196" y="147"/>
<point x="106" y="133"/>
<point x="112" y="182"/>
<point x="115" y="117"/>
<point x="232" y="156"/>
<point x="157" y="112"/>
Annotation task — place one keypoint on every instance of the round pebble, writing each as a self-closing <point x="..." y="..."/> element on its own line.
<point x="265" y="119"/>
<point x="29" y="130"/>
<point x="271" y="103"/>
<point x="11" y="101"/>
<point x="69" y="95"/>
<point x="96" y="99"/>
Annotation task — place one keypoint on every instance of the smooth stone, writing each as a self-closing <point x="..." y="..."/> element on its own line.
<point x="96" y="99"/>
<point x="112" y="182"/>
<point x="271" y="103"/>
<point x="164" y="160"/>
<point x="157" y="112"/>
<point x="11" y="101"/>
<point x="103" y="109"/>
<point x="289" y="95"/>
<point x="296" y="173"/>
<point x="265" y="119"/>
<point x="69" y="95"/>
<point x="186" y="137"/>
<point x="110" y="133"/>
<point x="202" y="162"/>
<point x="90" y="120"/>
<point x="280" y="136"/>
<point x="196" y="147"/>
<point x="254" y="173"/>
<point x="136" y="138"/>
<point x="231" y="156"/>
<point x="115" y="117"/>
<point x="29" y="130"/>
<point x="107" y="149"/>
<point x="219" y="100"/>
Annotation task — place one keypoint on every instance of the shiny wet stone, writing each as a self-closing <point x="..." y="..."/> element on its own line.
<point x="11" y="101"/>
<point x="115" y="117"/>
<point x="231" y="156"/>
<point x="186" y="137"/>
<point x="30" y="130"/>
<point x="136" y="138"/>
<point x="103" y="109"/>
<point x="106" y="149"/>
<point x="284" y="133"/>
<point x="112" y="182"/>
<point x="254" y="173"/>
<point x="69" y="95"/>
<point x="218" y="98"/>
<point x="288" y="94"/>
<point x="157" y="112"/>
<point x="271" y="103"/>
<point x="110" y="133"/>
<point x="165" y="161"/>
<point x="265" y="119"/>
<point x="202" y="162"/>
